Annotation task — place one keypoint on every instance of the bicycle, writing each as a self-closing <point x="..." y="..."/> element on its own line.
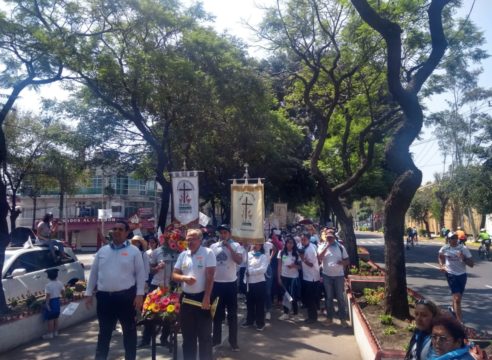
<point x="410" y="241"/>
<point x="484" y="253"/>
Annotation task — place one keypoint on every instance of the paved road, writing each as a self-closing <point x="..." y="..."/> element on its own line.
<point x="423" y="275"/>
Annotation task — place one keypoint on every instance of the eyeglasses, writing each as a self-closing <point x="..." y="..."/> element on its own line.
<point x="118" y="229"/>
<point x="422" y="302"/>
<point x="439" y="338"/>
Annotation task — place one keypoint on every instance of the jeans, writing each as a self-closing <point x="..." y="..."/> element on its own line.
<point x="335" y="288"/>
<point x="112" y="307"/>
<point x="290" y="285"/>
<point x="227" y="294"/>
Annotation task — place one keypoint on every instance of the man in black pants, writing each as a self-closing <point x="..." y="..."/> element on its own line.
<point x="228" y="256"/>
<point x="195" y="269"/>
<point x="119" y="275"/>
<point x="310" y="277"/>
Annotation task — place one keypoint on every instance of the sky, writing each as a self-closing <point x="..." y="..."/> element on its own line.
<point x="232" y="15"/>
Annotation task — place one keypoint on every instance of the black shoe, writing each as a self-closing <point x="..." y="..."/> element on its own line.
<point x="246" y="325"/>
<point x="165" y="343"/>
<point x="235" y="348"/>
<point x="142" y="345"/>
<point x="309" y="321"/>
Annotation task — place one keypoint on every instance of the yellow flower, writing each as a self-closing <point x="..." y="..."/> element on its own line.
<point x="170" y="308"/>
<point x="153" y="307"/>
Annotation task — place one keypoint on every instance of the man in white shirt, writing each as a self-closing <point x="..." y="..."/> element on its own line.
<point x="195" y="269"/>
<point x="310" y="277"/>
<point x="228" y="256"/>
<point x="119" y="275"/>
<point x="334" y="259"/>
<point x="453" y="259"/>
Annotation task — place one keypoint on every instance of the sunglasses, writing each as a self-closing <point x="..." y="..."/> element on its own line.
<point x="118" y="229"/>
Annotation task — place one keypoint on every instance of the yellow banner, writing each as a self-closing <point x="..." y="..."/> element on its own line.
<point x="247" y="208"/>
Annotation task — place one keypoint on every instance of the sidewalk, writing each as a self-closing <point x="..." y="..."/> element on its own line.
<point x="279" y="340"/>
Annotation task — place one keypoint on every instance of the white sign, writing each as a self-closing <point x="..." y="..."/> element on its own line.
<point x="70" y="309"/>
<point x="104" y="214"/>
<point x="185" y="196"/>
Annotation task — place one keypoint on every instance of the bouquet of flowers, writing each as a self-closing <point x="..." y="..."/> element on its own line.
<point x="161" y="304"/>
<point x="174" y="238"/>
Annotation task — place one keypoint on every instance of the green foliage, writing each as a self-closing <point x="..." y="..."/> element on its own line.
<point x="386" y="319"/>
<point x="411" y="327"/>
<point x="390" y="330"/>
<point x="374" y="296"/>
<point x="69" y="293"/>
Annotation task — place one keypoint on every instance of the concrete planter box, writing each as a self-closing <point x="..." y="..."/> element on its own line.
<point x="369" y="346"/>
<point x="25" y="329"/>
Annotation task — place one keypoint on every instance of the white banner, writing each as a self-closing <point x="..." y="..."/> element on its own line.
<point x="247" y="207"/>
<point x="280" y="211"/>
<point x="185" y="196"/>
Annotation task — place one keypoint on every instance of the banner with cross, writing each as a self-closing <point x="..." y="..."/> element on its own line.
<point x="247" y="208"/>
<point x="185" y="196"/>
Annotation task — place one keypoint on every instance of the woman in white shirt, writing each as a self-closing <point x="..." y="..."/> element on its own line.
<point x="256" y="287"/>
<point x="289" y="264"/>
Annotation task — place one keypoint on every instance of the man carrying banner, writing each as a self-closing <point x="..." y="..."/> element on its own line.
<point x="228" y="255"/>
<point x="195" y="269"/>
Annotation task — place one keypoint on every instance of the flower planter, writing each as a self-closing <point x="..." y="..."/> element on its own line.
<point x="369" y="346"/>
<point x="24" y="328"/>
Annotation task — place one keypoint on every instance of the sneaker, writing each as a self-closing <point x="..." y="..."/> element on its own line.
<point x="284" y="317"/>
<point x="309" y="321"/>
<point x="246" y="325"/>
<point x="344" y="323"/>
<point x="142" y="345"/>
<point x="235" y="348"/>
<point x="47" y="336"/>
<point x="268" y="316"/>
<point x="260" y="328"/>
<point x="329" y="321"/>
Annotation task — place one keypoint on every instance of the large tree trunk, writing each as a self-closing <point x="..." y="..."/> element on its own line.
<point x="325" y="211"/>
<point x="396" y="205"/>
<point x="14" y="212"/>
<point x="165" y="200"/>
<point x="427" y="228"/>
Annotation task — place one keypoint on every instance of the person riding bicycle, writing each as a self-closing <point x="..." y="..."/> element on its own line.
<point x="415" y="235"/>
<point x="485" y="239"/>
<point x="461" y="235"/>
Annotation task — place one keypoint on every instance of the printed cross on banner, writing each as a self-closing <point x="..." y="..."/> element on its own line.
<point x="246" y="204"/>
<point x="184" y="190"/>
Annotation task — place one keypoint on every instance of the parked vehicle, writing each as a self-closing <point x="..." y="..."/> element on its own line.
<point x="24" y="270"/>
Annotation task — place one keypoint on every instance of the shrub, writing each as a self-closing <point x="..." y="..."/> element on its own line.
<point x="374" y="296"/>
<point x="68" y="293"/>
<point x="390" y="330"/>
<point x="386" y="319"/>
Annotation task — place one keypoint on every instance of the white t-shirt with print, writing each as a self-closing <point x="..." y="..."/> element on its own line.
<point x="226" y="268"/>
<point x="453" y="263"/>
<point x="288" y="259"/>
<point x="334" y="254"/>
<point x="195" y="265"/>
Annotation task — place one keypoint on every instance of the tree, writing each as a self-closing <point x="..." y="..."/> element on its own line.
<point x="404" y="84"/>
<point x="27" y="63"/>
<point x="333" y="85"/>
<point x="420" y="207"/>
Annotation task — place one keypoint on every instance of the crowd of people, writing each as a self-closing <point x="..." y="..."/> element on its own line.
<point x="301" y="270"/>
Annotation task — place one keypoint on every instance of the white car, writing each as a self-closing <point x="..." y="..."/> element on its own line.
<point x="24" y="270"/>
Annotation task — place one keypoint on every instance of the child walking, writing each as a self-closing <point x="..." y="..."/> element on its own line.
<point x="53" y="290"/>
